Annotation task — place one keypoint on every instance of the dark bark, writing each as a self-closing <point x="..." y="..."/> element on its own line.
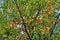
<point x="22" y="20"/>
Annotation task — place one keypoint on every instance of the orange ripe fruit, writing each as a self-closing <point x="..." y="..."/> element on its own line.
<point x="49" y="2"/>
<point x="28" y="21"/>
<point x="50" y="7"/>
<point x="22" y="38"/>
<point x="48" y="21"/>
<point x="58" y="22"/>
<point x="57" y="4"/>
<point x="37" y="19"/>
<point x="41" y="11"/>
<point x="15" y="21"/>
<point x="40" y="18"/>
<point x="40" y="22"/>
<point x="11" y="26"/>
<point x="41" y="30"/>
<point x="44" y="15"/>
<point x="17" y="37"/>
<point x="19" y="30"/>
<point x="48" y="11"/>
<point x="33" y="17"/>
<point x="48" y="28"/>
<point x="21" y="22"/>
<point x="32" y="24"/>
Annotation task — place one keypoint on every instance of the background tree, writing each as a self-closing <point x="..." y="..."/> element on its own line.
<point x="30" y="20"/>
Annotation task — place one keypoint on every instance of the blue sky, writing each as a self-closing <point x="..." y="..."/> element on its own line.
<point x="1" y="1"/>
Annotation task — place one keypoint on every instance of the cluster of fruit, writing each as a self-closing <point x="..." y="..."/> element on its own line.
<point x="30" y="19"/>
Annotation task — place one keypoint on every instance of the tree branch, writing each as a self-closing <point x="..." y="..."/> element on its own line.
<point x="52" y="29"/>
<point x="22" y="20"/>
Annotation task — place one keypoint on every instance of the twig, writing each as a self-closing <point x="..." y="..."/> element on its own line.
<point x="22" y="20"/>
<point x="36" y="15"/>
<point x="52" y="29"/>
